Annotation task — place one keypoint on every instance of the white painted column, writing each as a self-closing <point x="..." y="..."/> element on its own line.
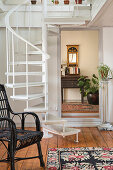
<point x="107" y="40"/>
<point x="106" y="114"/>
<point x="59" y="72"/>
<point x="44" y="49"/>
<point x="45" y="66"/>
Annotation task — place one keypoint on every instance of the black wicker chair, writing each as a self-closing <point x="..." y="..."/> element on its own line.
<point x="17" y="139"/>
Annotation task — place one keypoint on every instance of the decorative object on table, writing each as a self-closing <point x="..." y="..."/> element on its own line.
<point x="33" y="2"/>
<point x="105" y="75"/>
<point x="66" y="2"/>
<point x="74" y="70"/>
<point x="78" y="1"/>
<point x="77" y="70"/>
<point x="80" y="158"/>
<point x="67" y="71"/>
<point x="91" y="88"/>
<point x="63" y="68"/>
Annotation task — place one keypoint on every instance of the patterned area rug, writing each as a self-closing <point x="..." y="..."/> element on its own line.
<point x="79" y="107"/>
<point x="80" y="159"/>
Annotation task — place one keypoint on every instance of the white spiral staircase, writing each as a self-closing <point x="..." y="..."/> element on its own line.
<point x="27" y="67"/>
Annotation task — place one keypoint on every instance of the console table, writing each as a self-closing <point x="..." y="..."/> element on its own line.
<point x="70" y="81"/>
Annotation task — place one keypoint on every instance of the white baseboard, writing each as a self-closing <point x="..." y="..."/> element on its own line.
<point x="80" y="114"/>
<point x="80" y="122"/>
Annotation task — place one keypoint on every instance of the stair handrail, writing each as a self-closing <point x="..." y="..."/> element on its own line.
<point x="2" y="6"/>
<point x="47" y="56"/>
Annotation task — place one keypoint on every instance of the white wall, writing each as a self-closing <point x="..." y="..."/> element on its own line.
<point x="52" y="72"/>
<point x="108" y="59"/>
<point x="2" y="55"/>
<point x="88" y="55"/>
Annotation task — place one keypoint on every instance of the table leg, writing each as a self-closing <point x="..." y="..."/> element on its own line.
<point x="62" y="94"/>
<point x="82" y="96"/>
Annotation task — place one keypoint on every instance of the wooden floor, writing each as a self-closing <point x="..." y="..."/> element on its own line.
<point x="88" y="137"/>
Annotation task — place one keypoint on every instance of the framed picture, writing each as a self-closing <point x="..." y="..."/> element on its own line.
<point x="72" y="55"/>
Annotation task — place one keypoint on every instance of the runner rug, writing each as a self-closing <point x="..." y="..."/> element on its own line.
<point x="79" y="107"/>
<point x="80" y="159"/>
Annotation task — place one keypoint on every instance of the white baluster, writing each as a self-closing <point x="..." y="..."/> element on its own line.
<point x="17" y="30"/>
<point x="27" y="79"/>
<point x="29" y="22"/>
<point x="44" y="8"/>
<point x="9" y="50"/>
<point x="45" y="67"/>
<point x="13" y="64"/>
<point x="7" y="54"/>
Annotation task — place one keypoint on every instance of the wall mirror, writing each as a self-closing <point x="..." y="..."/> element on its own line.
<point x="72" y="55"/>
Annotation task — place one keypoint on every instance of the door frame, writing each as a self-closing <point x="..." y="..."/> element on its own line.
<point x="79" y="121"/>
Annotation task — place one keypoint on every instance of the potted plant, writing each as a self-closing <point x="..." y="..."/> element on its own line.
<point x="33" y="1"/>
<point x="90" y="88"/>
<point x="78" y="1"/>
<point x="66" y="2"/>
<point x="55" y="1"/>
<point x="83" y="83"/>
<point x="93" y="91"/>
<point x="104" y="72"/>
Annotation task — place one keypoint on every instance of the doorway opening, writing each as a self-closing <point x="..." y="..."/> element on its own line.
<point x="79" y="57"/>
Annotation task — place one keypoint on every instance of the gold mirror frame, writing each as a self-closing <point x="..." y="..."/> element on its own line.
<point x="72" y="55"/>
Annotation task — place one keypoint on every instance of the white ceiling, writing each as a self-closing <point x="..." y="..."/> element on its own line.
<point x="12" y="1"/>
<point x="105" y="16"/>
<point x="103" y="19"/>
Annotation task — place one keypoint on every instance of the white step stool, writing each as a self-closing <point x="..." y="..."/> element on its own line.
<point x="57" y="126"/>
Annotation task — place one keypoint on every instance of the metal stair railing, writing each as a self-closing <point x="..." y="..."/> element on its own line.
<point x="11" y="35"/>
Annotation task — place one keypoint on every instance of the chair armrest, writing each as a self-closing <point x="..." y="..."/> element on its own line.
<point x="12" y="127"/>
<point x="25" y="114"/>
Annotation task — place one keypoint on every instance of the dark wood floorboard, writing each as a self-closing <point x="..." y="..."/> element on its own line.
<point x="88" y="137"/>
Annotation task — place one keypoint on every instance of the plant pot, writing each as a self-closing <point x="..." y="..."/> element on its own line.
<point x="33" y="2"/>
<point x="104" y="75"/>
<point x="93" y="98"/>
<point x="66" y="2"/>
<point x="56" y="2"/>
<point x="78" y="1"/>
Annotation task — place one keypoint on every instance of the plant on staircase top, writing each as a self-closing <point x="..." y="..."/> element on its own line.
<point x="55" y="1"/>
<point x="104" y="72"/>
<point x="33" y="1"/>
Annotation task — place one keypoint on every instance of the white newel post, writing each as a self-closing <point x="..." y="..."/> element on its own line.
<point x="106" y="114"/>
<point x="45" y="66"/>
<point x="44" y="49"/>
